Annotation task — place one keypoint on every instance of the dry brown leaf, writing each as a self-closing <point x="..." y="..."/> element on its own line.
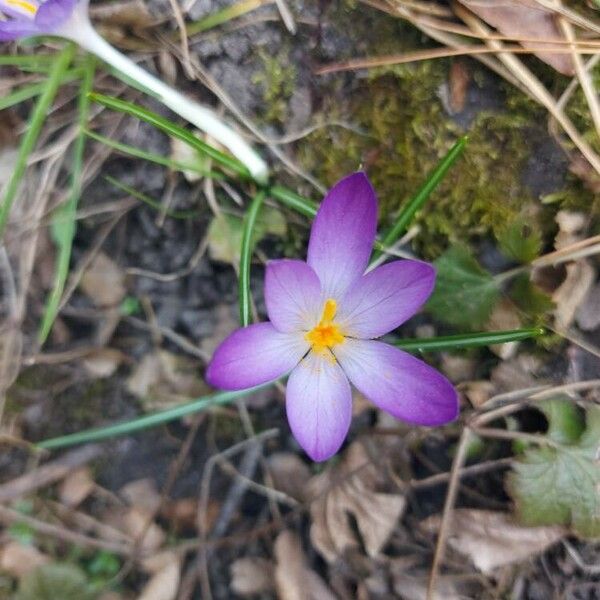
<point x="76" y="487"/>
<point x="163" y="585"/>
<point x="103" y="362"/>
<point x="588" y="315"/>
<point x="572" y="292"/>
<point x="18" y="559"/>
<point x="504" y="317"/>
<point x="528" y="20"/>
<point x="491" y="539"/>
<point x="251" y="575"/>
<point x="517" y="373"/>
<point x="161" y="379"/>
<point x="570" y="228"/>
<point x="409" y="586"/>
<point x="458" y="368"/>
<point x="141" y="493"/>
<point x="290" y="474"/>
<point x="104" y="282"/>
<point x="134" y="522"/>
<point x="181" y="513"/>
<point x="293" y="579"/>
<point x="478" y="392"/>
<point x="125" y="13"/>
<point x="184" y="153"/>
<point x="344" y="491"/>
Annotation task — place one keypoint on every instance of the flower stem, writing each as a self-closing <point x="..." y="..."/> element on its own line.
<point x="204" y="118"/>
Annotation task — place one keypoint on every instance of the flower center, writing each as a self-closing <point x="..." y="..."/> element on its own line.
<point x="326" y="334"/>
<point x="28" y="7"/>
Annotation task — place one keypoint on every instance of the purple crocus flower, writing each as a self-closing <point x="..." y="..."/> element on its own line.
<point x="31" y="17"/>
<point x="324" y="315"/>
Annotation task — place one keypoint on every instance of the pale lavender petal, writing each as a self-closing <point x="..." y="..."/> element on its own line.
<point x="318" y="402"/>
<point x="54" y="13"/>
<point x="384" y="298"/>
<point x="398" y="383"/>
<point x="343" y="233"/>
<point x="14" y="29"/>
<point x="26" y="12"/>
<point x="254" y="355"/>
<point x="293" y="295"/>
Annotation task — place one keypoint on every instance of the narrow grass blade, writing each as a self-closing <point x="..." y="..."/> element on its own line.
<point x="55" y="77"/>
<point x="409" y="210"/>
<point x="34" y="62"/>
<point x="175" y="214"/>
<point x="304" y="206"/>
<point x="468" y="340"/>
<point x="33" y="89"/>
<point x="174" y="165"/>
<point x="170" y="128"/>
<point x="152" y="420"/>
<point x="223" y="16"/>
<point x="64" y="223"/>
<point x="246" y="257"/>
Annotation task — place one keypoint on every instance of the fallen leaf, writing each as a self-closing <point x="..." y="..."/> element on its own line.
<point x="162" y="379"/>
<point x="572" y="292"/>
<point x="528" y="20"/>
<point x="293" y="579"/>
<point x="347" y="490"/>
<point x="125" y="13"/>
<point x="181" y="513"/>
<point x="76" y="487"/>
<point x="492" y="539"/>
<point x="103" y="362"/>
<point x="588" y="314"/>
<point x="163" y="585"/>
<point x="517" y="373"/>
<point x="411" y="586"/>
<point x="135" y="523"/>
<point x="104" y="282"/>
<point x="251" y="575"/>
<point x="290" y="475"/>
<point x="570" y="228"/>
<point x="19" y="559"/>
<point x="184" y="153"/>
<point x="478" y="392"/>
<point x="141" y="493"/>
<point x="503" y="318"/>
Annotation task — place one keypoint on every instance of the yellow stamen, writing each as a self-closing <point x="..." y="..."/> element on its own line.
<point x="23" y="4"/>
<point x="326" y="334"/>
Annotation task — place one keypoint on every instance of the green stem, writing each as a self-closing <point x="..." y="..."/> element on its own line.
<point x="65" y="223"/>
<point x="468" y="340"/>
<point x="409" y="210"/>
<point x="246" y="257"/>
<point x="165" y="416"/>
<point x="40" y="112"/>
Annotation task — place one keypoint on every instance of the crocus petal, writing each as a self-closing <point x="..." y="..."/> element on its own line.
<point x="14" y="29"/>
<point x="292" y="295"/>
<point x="398" y="383"/>
<point x="254" y="355"/>
<point x="18" y="10"/>
<point x="384" y="298"/>
<point x="343" y="233"/>
<point x="53" y="13"/>
<point x="318" y="401"/>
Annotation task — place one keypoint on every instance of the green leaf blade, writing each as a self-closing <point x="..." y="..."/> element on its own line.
<point x="465" y="293"/>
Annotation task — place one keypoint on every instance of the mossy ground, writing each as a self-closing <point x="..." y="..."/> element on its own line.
<point x="405" y="130"/>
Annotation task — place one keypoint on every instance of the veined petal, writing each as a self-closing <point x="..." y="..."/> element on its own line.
<point x="384" y="298"/>
<point x="398" y="383"/>
<point x="292" y="294"/>
<point x="254" y="355"/>
<point x="343" y="233"/>
<point x="318" y="401"/>
<point x="53" y="13"/>
<point x="13" y="29"/>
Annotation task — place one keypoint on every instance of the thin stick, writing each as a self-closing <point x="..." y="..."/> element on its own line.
<point x="459" y="459"/>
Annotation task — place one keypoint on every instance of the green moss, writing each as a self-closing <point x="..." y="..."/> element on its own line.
<point x="278" y="80"/>
<point x="408" y="132"/>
